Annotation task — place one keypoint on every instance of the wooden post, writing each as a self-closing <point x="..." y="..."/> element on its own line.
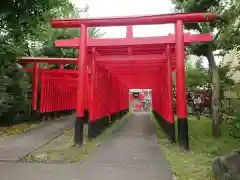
<point x="181" y="87"/>
<point x="79" y="123"/>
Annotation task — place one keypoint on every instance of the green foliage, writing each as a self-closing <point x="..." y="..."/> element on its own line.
<point x="235" y="124"/>
<point x="196" y="164"/>
<point x="25" y="31"/>
<point x="23" y="17"/>
<point x="197" y="75"/>
<point x="226" y="33"/>
<point x="228" y="70"/>
<point x="13" y="81"/>
<point x="232" y="112"/>
<point x="51" y="35"/>
<point x="47" y="37"/>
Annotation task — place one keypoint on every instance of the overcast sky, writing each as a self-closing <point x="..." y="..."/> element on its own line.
<point x="108" y="8"/>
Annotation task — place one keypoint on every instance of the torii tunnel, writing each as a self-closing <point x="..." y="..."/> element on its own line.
<point x="108" y="68"/>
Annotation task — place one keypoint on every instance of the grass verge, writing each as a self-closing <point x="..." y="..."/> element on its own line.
<point x="61" y="149"/>
<point x="196" y="164"/>
<point x="16" y="129"/>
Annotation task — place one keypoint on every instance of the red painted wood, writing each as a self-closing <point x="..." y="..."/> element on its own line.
<point x="134" y="20"/>
<point x="108" y="68"/>
<point x="49" y="60"/>
<point x="137" y="42"/>
<point x="55" y="90"/>
<point x="169" y="87"/>
<point x="81" y="86"/>
<point x="180" y="72"/>
<point x="35" y="86"/>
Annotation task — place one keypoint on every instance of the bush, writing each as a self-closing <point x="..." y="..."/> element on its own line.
<point x="235" y="125"/>
<point x="15" y="96"/>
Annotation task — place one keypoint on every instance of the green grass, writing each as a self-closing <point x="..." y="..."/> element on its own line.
<point x="16" y="129"/>
<point x="61" y="150"/>
<point x="197" y="163"/>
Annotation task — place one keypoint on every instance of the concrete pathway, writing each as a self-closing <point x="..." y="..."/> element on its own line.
<point x="12" y="148"/>
<point x="130" y="154"/>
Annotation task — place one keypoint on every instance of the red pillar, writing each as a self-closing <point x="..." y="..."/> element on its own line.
<point x="172" y="135"/>
<point x="110" y="95"/>
<point x="129" y="32"/>
<point x="181" y="87"/>
<point x="79" y="123"/>
<point x="61" y="66"/>
<point x="91" y="128"/>
<point x="34" y="89"/>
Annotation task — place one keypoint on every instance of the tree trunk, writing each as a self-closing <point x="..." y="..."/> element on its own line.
<point x="215" y="93"/>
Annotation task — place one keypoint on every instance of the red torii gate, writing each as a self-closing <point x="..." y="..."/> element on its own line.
<point x="95" y="128"/>
<point x="129" y="57"/>
<point x="177" y="19"/>
<point x="122" y="58"/>
<point x="57" y="88"/>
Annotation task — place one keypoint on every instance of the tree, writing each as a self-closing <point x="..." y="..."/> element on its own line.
<point x="48" y="35"/>
<point x="197" y="75"/>
<point x="25" y="31"/>
<point x="234" y="67"/>
<point x="225" y="35"/>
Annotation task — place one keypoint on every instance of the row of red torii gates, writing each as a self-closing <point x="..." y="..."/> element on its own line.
<point x="108" y="68"/>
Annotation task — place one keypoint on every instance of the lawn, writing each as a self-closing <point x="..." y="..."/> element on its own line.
<point x="197" y="163"/>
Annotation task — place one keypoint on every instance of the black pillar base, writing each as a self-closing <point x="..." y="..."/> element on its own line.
<point x="55" y="114"/>
<point x="86" y="116"/>
<point x="120" y="114"/>
<point x="96" y="128"/>
<point x="58" y="114"/>
<point x="34" y="114"/>
<point x="183" y="133"/>
<point x="79" y="132"/>
<point x="172" y="133"/>
<point x="42" y="116"/>
<point x="109" y="121"/>
<point x="51" y="115"/>
<point x="168" y="128"/>
<point x="113" y="118"/>
<point x="46" y="116"/>
<point x="92" y="130"/>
